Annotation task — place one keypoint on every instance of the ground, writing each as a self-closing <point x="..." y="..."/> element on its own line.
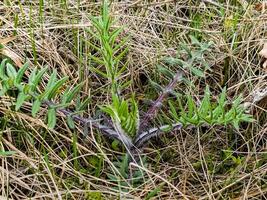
<point x="206" y="162"/>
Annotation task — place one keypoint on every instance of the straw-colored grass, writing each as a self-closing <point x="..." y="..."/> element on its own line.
<point x="201" y="163"/>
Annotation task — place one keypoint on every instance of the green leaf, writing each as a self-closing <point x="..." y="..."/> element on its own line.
<point x="153" y="193"/>
<point x="51" y="118"/>
<point x="121" y="54"/>
<point x="156" y="85"/>
<point x="11" y="71"/>
<point x="121" y="44"/>
<point x="174" y="61"/>
<point x="235" y="124"/>
<point x="194" y="40"/>
<point x="36" y="107"/>
<point x="185" y="47"/>
<point x="70" y="122"/>
<point x="20" y="100"/>
<point x="114" y="34"/>
<point x="173" y="111"/>
<point x="53" y="91"/>
<point x="222" y="100"/>
<point x="52" y="80"/>
<point x="165" y="71"/>
<point x="83" y="104"/>
<point x="115" y="145"/>
<point x="247" y="118"/>
<point x="191" y="106"/>
<point x="205" y="106"/>
<point x="99" y="72"/>
<point x="32" y="75"/>
<point x="197" y="72"/>
<point x="2" y="69"/>
<point x="38" y="77"/>
<point x="7" y="153"/>
<point x="4" y="89"/>
<point x="97" y="60"/>
<point x="72" y="93"/>
<point x="21" y="72"/>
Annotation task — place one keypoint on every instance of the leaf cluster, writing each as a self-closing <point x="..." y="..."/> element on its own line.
<point x="208" y="112"/>
<point x="124" y="115"/>
<point x="29" y="91"/>
<point x="191" y="59"/>
<point x="111" y="49"/>
<point x="122" y="165"/>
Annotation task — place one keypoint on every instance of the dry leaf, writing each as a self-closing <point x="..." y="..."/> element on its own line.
<point x="12" y="55"/>
<point x="263" y="53"/>
<point x="7" y="40"/>
<point x="261" y="6"/>
<point x="8" y="52"/>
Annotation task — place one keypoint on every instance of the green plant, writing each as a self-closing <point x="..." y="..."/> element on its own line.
<point x="208" y="112"/>
<point x="126" y="126"/>
<point x="123" y="177"/>
<point x="190" y="59"/>
<point x="6" y="153"/>
<point x="12" y="81"/>
<point x="111" y="51"/>
<point x="123" y="119"/>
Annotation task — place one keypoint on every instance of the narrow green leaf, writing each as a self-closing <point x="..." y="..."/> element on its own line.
<point x="105" y="12"/>
<point x="36" y="107"/>
<point x="4" y="90"/>
<point x="121" y="43"/>
<point x="99" y="72"/>
<point x="73" y="92"/>
<point x="194" y="40"/>
<point x="121" y="54"/>
<point x="97" y="60"/>
<point x="165" y="71"/>
<point x="185" y="47"/>
<point x="83" y="104"/>
<point x="156" y="85"/>
<point x="197" y="72"/>
<point x="173" y="111"/>
<point x="32" y="75"/>
<point x="20" y="100"/>
<point x="191" y="106"/>
<point x="52" y="80"/>
<point x="53" y="92"/>
<point x="70" y="122"/>
<point x="38" y="77"/>
<point x="153" y="193"/>
<point x="114" y="34"/>
<point x="2" y="69"/>
<point x="51" y="118"/>
<point x="21" y="72"/>
<point x="7" y="153"/>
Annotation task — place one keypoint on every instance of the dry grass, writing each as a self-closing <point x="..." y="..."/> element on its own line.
<point x="203" y="163"/>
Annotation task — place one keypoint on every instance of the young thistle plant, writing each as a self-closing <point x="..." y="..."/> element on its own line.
<point x="123" y="113"/>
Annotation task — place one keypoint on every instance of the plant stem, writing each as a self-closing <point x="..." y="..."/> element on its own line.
<point x="151" y="113"/>
<point x="154" y="132"/>
<point x="86" y="122"/>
